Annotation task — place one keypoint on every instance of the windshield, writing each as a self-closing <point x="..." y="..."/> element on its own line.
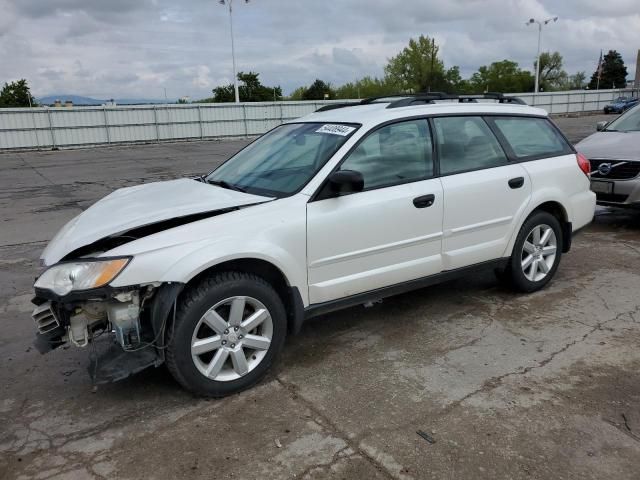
<point x="628" y="122"/>
<point x="282" y="161"/>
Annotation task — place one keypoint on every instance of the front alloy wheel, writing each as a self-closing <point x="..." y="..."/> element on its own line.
<point x="228" y="330"/>
<point x="231" y="338"/>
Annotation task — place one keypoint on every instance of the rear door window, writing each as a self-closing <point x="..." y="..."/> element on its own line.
<point x="467" y="143"/>
<point x="531" y="137"/>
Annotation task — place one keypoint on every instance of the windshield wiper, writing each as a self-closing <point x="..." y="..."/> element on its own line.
<point x="227" y="185"/>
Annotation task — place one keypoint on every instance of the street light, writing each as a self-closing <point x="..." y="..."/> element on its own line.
<point x="540" y="24"/>
<point x="229" y="3"/>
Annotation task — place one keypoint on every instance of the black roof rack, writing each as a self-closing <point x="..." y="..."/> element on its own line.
<point x="432" y="97"/>
<point x="370" y="100"/>
<point x="365" y="101"/>
<point x="333" y="106"/>
<point x="408" y="99"/>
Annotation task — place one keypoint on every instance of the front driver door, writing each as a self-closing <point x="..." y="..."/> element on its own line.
<point x="387" y="234"/>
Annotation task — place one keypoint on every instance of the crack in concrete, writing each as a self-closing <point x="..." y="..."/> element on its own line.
<point x="36" y="171"/>
<point x="631" y="247"/>
<point x="297" y="397"/>
<point x="37" y="441"/>
<point x="35" y="242"/>
<point x="494" y="382"/>
<point x="624" y="428"/>
<point x="327" y="465"/>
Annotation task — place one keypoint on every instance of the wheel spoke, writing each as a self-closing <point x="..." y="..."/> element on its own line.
<point x="256" y="342"/>
<point x="528" y="247"/>
<point x="240" y="365"/>
<point x="255" y="319"/>
<point x="534" y="271"/>
<point x="217" y="362"/>
<point x="546" y="236"/>
<point x="237" y="311"/>
<point x="205" y="345"/>
<point x="544" y="268"/>
<point x="527" y="261"/>
<point x="536" y="236"/>
<point x="215" y="322"/>
<point x="550" y="250"/>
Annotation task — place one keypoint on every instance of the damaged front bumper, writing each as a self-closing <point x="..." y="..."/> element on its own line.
<point x="135" y="319"/>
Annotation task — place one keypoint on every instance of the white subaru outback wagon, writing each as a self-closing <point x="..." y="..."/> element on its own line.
<point x="353" y="203"/>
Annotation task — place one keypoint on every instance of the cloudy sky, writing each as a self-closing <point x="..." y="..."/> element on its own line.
<point x="137" y="48"/>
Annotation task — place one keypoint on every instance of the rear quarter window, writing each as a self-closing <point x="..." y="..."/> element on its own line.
<point x="531" y="137"/>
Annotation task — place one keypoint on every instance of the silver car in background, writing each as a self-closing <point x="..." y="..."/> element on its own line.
<point x="614" y="154"/>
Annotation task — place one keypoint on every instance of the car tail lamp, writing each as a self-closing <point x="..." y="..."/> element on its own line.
<point x="584" y="164"/>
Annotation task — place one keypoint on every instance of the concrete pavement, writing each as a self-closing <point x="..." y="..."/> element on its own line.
<point x="509" y="386"/>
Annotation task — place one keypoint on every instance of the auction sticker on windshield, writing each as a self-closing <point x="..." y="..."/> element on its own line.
<point x="342" y="130"/>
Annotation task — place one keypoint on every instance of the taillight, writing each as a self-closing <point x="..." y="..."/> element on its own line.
<point x="584" y="164"/>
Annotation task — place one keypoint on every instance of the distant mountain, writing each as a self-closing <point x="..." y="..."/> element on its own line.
<point x="80" y="100"/>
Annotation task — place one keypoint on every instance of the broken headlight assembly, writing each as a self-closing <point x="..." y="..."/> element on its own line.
<point x="67" y="277"/>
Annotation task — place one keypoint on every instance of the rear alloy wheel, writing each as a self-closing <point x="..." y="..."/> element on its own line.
<point x="228" y="330"/>
<point x="539" y="253"/>
<point x="536" y="253"/>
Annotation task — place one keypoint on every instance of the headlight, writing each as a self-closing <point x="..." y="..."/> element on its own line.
<point x="69" y="276"/>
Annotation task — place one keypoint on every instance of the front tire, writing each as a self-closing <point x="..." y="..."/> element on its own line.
<point x="536" y="253"/>
<point x="228" y="330"/>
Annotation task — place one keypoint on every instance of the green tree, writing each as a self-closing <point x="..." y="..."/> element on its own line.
<point x="417" y="68"/>
<point x="504" y="76"/>
<point x="317" y="91"/>
<point x="297" y="93"/>
<point x="552" y="76"/>
<point x="366" y="87"/>
<point x="577" y="81"/>
<point x="454" y="81"/>
<point x="614" y="72"/>
<point x="16" y="94"/>
<point x="250" y="90"/>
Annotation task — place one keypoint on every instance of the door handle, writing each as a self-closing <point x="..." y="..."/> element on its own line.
<point x="424" y="201"/>
<point x="516" y="182"/>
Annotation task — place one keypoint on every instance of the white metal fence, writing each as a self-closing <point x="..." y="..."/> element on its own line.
<point x="61" y="127"/>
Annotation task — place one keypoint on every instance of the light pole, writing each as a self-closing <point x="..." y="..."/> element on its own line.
<point x="229" y="3"/>
<point x="540" y="24"/>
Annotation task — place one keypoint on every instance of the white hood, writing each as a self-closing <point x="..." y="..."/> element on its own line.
<point x="132" y="207"/>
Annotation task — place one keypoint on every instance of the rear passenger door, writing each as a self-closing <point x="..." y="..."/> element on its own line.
<point x="484" y="194"/>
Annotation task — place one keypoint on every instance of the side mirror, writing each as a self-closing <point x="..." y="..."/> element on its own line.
<point x="346" y="181"/>
<point x="601" y="125"/>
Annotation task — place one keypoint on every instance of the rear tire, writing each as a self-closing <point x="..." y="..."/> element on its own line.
<point x="228" y="330"/>
<point x="536" y="253"/>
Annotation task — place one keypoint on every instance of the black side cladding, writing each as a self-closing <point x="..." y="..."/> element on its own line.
<point x="296" y="313"/>
<point x="161" y="309"/>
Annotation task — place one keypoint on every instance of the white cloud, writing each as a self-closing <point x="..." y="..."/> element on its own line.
<point x="121" y="48"/>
